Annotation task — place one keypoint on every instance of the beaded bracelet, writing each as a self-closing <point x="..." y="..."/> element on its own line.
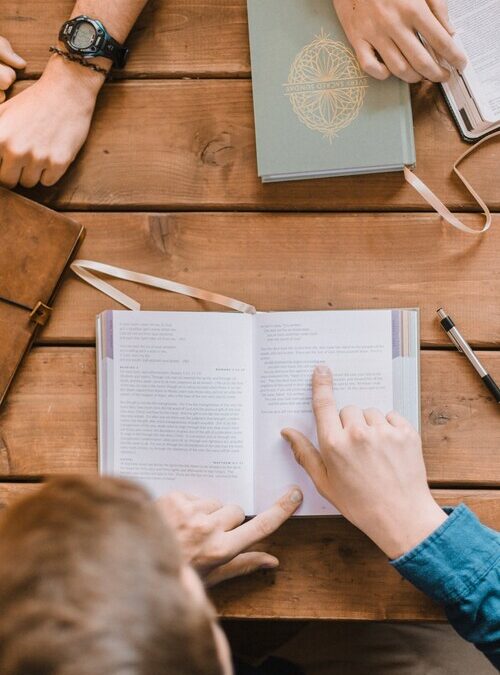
<point x="78" y="59"/>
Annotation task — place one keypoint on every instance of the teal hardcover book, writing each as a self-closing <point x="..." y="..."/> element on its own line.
<point x="316" y="112"/>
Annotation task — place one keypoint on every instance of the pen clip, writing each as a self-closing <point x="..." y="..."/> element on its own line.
<point x="455" y="342"/>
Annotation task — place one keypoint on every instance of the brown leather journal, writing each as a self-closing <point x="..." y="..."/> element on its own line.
<point x="36" y="246"/>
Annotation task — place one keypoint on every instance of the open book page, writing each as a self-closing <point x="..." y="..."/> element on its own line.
<point x="182" y="391"/>
<point x="288" y="345"/>
<point x="478" y="29"/>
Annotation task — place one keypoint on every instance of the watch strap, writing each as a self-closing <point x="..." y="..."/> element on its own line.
<point x="113" y="50"/>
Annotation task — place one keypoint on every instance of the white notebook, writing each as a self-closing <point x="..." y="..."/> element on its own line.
<point x="195" y="401"/>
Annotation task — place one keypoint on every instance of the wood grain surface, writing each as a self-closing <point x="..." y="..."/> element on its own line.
<point x="293" y="262"/>
<point x="172" y="38"/>
<point x="173" y="139"/>
<point x="49" y="422"/>
<point x="190" y="145"/>
<point x="328" y="570"/>
<point x="10" y="492"/>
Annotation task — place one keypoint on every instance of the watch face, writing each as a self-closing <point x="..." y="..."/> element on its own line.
<point x="83" y="36"/>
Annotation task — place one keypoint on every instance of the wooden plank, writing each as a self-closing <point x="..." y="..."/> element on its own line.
<point x="294" y="262"/>
<point x="191" y="145"/>
<point x="328" y="570"/>
<point x="10" y="492"/>
<point x="48" y="425"/>
<point x="172" y="38"/>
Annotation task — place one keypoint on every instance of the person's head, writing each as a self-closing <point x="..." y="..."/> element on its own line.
<point x="92" y="582"/>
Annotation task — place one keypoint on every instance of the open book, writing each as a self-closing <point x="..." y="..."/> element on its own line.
<point x="195" y="401"/>
<point x="474" y="95"/>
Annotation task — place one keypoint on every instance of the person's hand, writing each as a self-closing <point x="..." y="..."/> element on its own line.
<point x="43" y="127"/>
<point x="371" y="467"/>
<point x="214" y="538"/>
<point x="9" y="63"/>
<point x="383" y="34"/>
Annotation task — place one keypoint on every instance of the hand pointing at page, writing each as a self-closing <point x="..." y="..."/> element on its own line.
<point x="216" y="541"/>
<point x="371" y="467"/>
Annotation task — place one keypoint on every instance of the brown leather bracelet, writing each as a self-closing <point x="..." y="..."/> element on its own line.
<point x="78" y="59"/>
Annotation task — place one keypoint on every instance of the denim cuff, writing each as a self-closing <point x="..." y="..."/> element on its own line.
<point x="449" y="564"/>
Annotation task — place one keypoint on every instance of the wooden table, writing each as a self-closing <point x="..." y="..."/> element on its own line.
<point x="167" y="185"/>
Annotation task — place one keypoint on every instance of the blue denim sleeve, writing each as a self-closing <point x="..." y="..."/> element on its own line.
<point x="458" y="566"/>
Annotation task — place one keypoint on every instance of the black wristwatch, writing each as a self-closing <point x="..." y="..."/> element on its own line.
<point x="88" y="38"/>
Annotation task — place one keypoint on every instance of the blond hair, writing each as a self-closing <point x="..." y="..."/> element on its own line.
<point x="90" y="585"/>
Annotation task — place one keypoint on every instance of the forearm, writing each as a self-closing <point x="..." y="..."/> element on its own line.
<point x="459" y="567"/>
<point x="118" y="17"/>
<point x="44" y="126"/>
<point x="371" y="467"/>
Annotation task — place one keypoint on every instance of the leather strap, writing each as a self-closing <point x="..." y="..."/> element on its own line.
<point x="16" y="304"/>
<point x="438" y="205"/>
<point x="115" y="51"/>
<point x="82" y="269"/>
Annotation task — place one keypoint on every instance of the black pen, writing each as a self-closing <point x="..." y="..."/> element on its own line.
<point x="462" y="346"/>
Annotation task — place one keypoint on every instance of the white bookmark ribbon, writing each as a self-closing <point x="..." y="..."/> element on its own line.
<point x="84" y="269"/>
<point x="438" y="205"/>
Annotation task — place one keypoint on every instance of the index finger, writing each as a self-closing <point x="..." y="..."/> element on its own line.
<point x="325" y="409"/>
<point x="441" y="41"/>
<point x="264" y="524"/>
<point x="9" y="56"/>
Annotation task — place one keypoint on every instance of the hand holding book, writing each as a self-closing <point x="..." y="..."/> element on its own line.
<point x="384" y="35"/>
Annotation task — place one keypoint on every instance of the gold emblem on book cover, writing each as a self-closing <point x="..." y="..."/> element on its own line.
<point x="326" y="86"/>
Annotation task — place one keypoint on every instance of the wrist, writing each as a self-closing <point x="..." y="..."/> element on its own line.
<point x="404" y="530"/>
<point x="77" y="81"/>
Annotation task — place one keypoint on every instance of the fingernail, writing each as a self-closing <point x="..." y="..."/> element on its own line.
<point x="322" y="370"/>
<point x="21" y="63"/>
<point x="270" y="565"/>
<point x="296" y="496"/>
<point x="284" y="434"/>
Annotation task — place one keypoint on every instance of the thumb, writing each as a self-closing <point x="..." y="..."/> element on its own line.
<point x="243" y="564"/>
<point x="440" y="10"/>
<point x="9" y="56"/>
<point x="307" y="456"/>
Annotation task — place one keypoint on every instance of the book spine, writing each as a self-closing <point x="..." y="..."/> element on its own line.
<point x="253" y="57"/>
<point x="407" y="134"/>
